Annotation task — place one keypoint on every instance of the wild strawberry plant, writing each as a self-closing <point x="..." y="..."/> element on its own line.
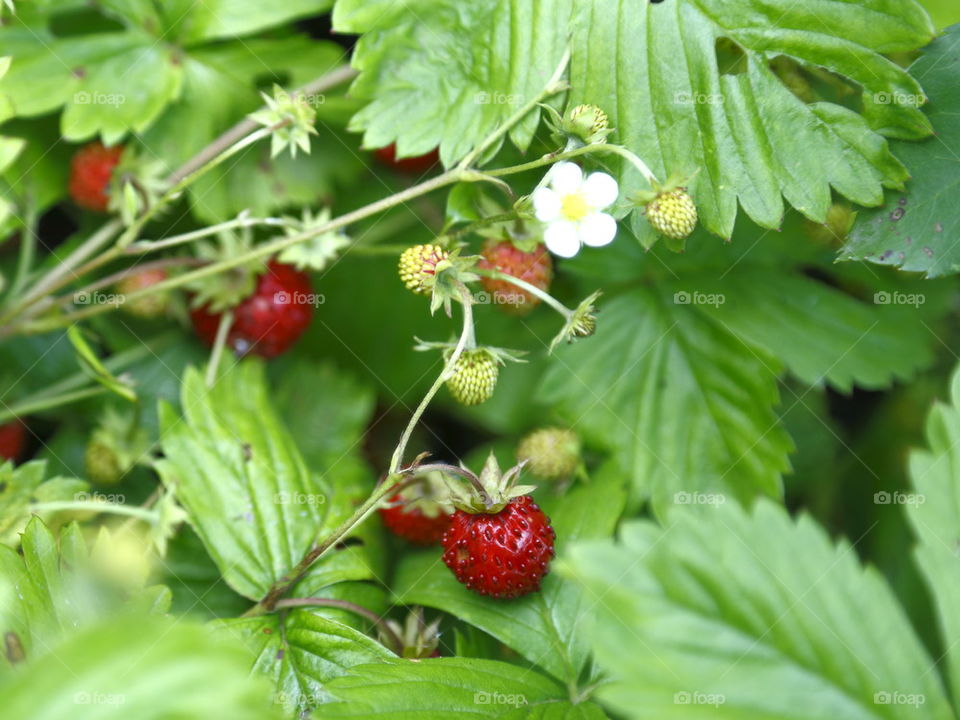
<point x="515" y="358"/>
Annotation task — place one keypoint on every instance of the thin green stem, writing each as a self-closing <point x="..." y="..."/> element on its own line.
<point x="553" y="86"/>
<point x="466" y="339"/>
<point x="61" y="275"/>
<point x="578" y="152"/>
<point x="28" y="249"/>
<point x="261" y="251"/>
<point x="148" y="516"/>
<point x="219" y="342"/>
<point x="532" y="289"/>
<point x="35" y="404"/>
<point x="147" y="246"/>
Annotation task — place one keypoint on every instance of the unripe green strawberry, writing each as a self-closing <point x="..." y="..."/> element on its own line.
<point x="418" y="267"/>
<point x="148" y="307"/>
<point x="587" y="122"/>
<point x="101" y="463"/>
<point x="550" y="453"/>
<point x="673" y="214"/>
<point x="474" y="377"/>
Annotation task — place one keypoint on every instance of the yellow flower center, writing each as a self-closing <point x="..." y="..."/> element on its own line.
<point x="574" y="206"/>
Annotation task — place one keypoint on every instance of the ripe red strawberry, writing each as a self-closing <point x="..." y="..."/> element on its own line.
<point x="269" y="321"/>
<point x="412" y="523"/>
<point x="504" y="554"/>
<point x="413" y="165"/>
<point x="535" y="267"/>
<point x="12" y="436"/>
<point x="90" y="172"/>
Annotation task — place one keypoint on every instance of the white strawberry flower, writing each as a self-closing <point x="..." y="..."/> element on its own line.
<point x="572" y="207"/>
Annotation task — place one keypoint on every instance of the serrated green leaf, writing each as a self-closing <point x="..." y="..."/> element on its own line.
<point x="125" y="93"/>
<point x="229" y="18"/>
<point x="438" y="688"/>
<point x="686" y="406"/>
<point x="654" y="68"/>
<point x="447" y="73"/>
<point x="933" y="510"/>
<point x="142" y="668"/>
<point x="249" y="494"/>
<point x="916" y="230"/>
<point x="25" y="485"/>
<point x="725" y="613"/>
<point x="544" y="627"/>
<point x="302" y="652"/>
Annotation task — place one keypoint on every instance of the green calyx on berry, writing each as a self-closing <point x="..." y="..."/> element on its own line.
<point x="580" y="125"/>
<point x="115" y="446"/>
<point x="136" y="185"/>
<point x="290" y="118"/>
<point x="490" y="491"/>
<point x="226" y="289"/>
<point x="415" y="639"/>
<point x="588" y="123"/>
<point x="434" y="270"/>
<point x="581" y="322"/>
<point x="670" y="210"/>
<point x="550" y="453"/>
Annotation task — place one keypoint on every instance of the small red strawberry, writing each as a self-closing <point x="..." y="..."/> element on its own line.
<point x="500" y="543"/>
<point x="413" y="165"/>
<point x="535" y="267"/>
<point x="90" y="172"/>
<point x="412" y="523"/>
<point x="270" y="320"/>
<point x="12" y="436"/>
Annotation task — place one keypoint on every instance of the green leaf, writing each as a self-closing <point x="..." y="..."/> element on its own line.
<point x="249" y="494"/>
<point x="438" y="688"/>
<point x="26" y="485"/>
<point x="301" y="655"/>
<point x="447" y="73"/>
<point x="142" y="668"/>
<point x="686" y="405"/>
<point x="544" y="627"/>
<point x="934" y="512"/>
<point x="654" y="67"/>
<point x="917" y="229"/>
<point x="725" y="613"/>
<point x="124" y="93"/>
<point x="228" y="18"/>
<point x="42" y="599"/>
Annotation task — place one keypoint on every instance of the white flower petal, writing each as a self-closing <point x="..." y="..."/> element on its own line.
<point x="597" y="229"/>
<point x="600" y="190"/>
<point x="546" y="204"/>
<point x="566" y="177"/>
<point x="561" y="238"/>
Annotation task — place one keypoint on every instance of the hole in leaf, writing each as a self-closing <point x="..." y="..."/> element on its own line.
<point x="816" y="84"/>
<point x="731" y="59"/>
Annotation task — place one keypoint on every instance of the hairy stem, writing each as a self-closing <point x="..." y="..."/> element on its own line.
<point x="219" y="342"/>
